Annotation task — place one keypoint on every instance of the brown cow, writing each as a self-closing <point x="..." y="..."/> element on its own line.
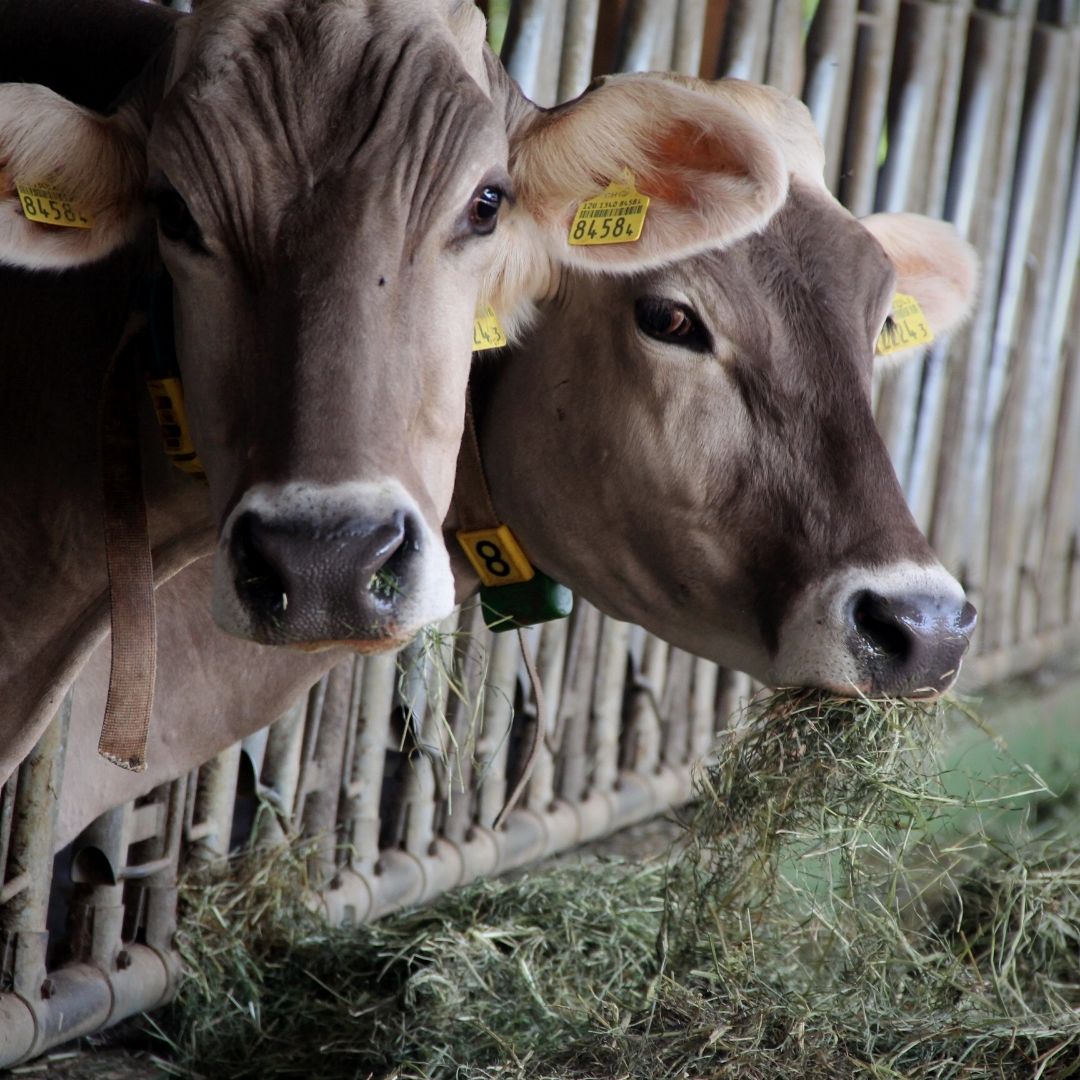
<point x="335" y="185"/>
<point x="691" y="448"/>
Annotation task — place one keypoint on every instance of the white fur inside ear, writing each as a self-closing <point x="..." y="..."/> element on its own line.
<point x="98" y="162"/>
<point x="933" y="263"/>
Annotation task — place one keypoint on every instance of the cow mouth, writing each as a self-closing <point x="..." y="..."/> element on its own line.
<point x="898" y="631"/>
<point x="361" y="646"/>
<point x="873" y="691"/>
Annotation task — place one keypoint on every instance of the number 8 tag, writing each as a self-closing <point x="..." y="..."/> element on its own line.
<point x="496" y="556"/>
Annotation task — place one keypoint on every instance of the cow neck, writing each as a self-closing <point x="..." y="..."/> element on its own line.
<point x="133" y="629"/>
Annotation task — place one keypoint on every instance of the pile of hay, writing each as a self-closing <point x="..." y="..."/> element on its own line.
<point x="823" y="915"/>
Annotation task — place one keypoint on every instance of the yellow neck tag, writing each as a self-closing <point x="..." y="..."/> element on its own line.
<point x="168" y="398"/>
<point x="496" y="556"/>
<point x="47" y="205"/>
<point x="907" y="328"/>
<point x="615" y="216"/>
<point x="487" y="333"/>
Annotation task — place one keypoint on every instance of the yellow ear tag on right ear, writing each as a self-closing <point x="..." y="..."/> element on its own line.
<point x="46" y="205"/>
<point x="487" y="333"/>
<point x="615" y="216"/>
<point x="906" y="327"/>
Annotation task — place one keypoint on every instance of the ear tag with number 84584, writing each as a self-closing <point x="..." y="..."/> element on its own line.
<point x="513" y="593"/>
<point x="615" y="216"/>
<point x="44" y="204"/>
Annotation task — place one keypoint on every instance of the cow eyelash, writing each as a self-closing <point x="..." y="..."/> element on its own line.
<point x="672" y="323"/>
<point x="484" y="209"/>
<point x="174" y="219"/>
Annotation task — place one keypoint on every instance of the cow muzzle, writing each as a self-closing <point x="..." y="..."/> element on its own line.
<point x="909" y="645"/>
<point x="315" y="566"/>
<point x="898" y="631"/>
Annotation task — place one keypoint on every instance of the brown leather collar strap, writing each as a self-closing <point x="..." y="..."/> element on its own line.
<point x="475" y="510"/>
<point x="127" y="554"/>
<point x="472" y="496"/>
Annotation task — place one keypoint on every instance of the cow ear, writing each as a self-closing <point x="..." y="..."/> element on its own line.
<point x="711" y="174"/>
<point x="81" y="171"/>
<point x="933" y="263"/>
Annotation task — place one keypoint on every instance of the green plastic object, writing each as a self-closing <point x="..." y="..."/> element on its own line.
<point x="510" y="607"/>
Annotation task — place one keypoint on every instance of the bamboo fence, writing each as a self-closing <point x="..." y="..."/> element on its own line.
<point x="956" y="109"/>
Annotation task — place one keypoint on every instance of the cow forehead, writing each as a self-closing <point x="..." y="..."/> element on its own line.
<point x="222" y="28"/>
<point x="812" y="281"/>
<point x="272" y="95"/>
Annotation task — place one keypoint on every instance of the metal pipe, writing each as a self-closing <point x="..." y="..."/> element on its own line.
<point x="23" y="918"/>
<point x="80" y="999"/>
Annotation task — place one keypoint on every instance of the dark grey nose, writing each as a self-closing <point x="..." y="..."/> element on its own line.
<point x="303" y="581"/>
<point x="909" y="646"/>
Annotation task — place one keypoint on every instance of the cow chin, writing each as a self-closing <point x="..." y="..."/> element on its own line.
<point x="313" y="566"/>
<point x="391" y="643"/>
<point x="894" y="631"/>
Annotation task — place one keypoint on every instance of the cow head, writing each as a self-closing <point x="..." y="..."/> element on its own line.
<point x="334" y="187"/>
<point x="693" y="448"/>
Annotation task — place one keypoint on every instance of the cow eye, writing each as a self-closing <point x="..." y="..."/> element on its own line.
<point x="175" y="220"/>
<point x="671" y="322"/>
<point x="484" y="211"/>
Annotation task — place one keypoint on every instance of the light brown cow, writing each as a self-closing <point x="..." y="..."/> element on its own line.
<point x="336" y="185"/>
<point x="692" y="448"/>
<point x="702" y="458"/>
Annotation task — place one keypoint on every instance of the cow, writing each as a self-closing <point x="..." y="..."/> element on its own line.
<point x="334" y="189"/>
<point x="702" y="459"/>
<point x="691" y="447"/>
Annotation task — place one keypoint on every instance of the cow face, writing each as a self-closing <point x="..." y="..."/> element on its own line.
<point x="694" y="450"/>
<point x="327" y="250"/>
<point x="333" y="187"/>
<point x="323" y="181"/>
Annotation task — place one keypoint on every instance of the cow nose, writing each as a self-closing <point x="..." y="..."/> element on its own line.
<point x="910" y="646"/>
<point x="305" y="581"/>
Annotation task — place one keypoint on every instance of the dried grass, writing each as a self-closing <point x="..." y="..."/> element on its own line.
<point x="830" y="911"/>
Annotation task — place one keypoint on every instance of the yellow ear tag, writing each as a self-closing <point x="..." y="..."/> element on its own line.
<point x="496" y="556"/>
<point x="48" y="206"/>
<point x="168" y="398"/>
<point x="907" y="327"/>
<point x="487" y="333"/>
<point x="615" y="216"/>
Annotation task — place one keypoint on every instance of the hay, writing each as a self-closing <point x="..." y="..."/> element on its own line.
<point x="490" y="967"/>
<point x="823" y="915"/>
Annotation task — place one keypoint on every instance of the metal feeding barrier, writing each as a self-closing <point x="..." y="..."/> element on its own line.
<point x="400" y="764"/>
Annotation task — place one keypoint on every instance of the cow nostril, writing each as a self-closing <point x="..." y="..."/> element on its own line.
<point x="397" y="541"/>
<point x="879" y="627"/>
<point x="258" y="578"/>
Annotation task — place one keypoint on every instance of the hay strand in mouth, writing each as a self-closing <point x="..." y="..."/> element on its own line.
<point x="825" y="913"/>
